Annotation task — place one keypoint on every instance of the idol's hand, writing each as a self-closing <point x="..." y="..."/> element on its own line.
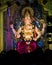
<point x="17" y="35"/>
<point x="19" y="30"/>
<point x="44" y="25"/>
<point x="35" y="39"/>
<point x="11" y="26"/>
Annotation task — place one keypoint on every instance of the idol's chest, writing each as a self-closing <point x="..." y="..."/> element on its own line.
<point x="28" y="31"/>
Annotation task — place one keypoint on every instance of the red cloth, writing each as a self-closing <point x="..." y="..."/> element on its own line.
<point x="22" y="47"/>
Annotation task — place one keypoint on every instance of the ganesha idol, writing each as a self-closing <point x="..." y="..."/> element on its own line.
<point x="28" y="32"/>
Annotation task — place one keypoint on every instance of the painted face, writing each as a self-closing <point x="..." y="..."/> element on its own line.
<point x="27" y="18"/>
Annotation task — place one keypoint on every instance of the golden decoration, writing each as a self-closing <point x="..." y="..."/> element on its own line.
<point x="28" y="32"/>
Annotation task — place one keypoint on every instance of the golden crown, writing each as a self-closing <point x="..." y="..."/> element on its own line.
<point x="29" y="9"/>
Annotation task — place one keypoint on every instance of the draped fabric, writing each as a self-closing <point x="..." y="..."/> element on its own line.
<point x="22" y="47"/>
<point x="9" y="38"/>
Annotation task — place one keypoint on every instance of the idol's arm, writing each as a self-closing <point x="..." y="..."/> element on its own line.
<point x="42" y="21"/>
<point x="16" y="33"/>
<point x="43" y="29"/>
<point x="38" y="34"/>
<point x="19" y="30"/>
<point x="13" y="30"/>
